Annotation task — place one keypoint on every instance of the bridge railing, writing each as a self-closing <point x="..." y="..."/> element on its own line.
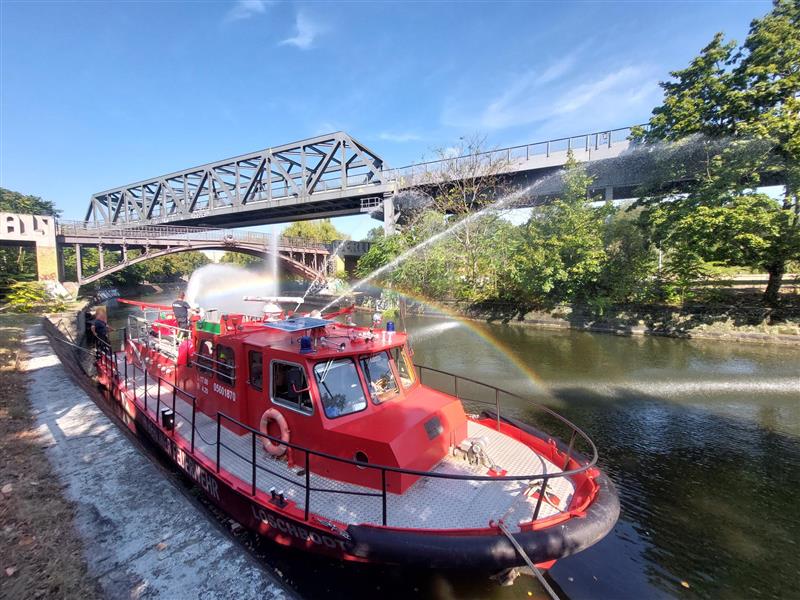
<point x="157" y="233"/>
<point x="513" y="156"/>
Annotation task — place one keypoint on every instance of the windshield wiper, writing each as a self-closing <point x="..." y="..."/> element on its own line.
<point x="365" y="366"/>
<point x="328" y="366"/>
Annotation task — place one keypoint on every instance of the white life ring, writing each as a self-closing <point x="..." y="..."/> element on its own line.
<point x="274" y="448"/>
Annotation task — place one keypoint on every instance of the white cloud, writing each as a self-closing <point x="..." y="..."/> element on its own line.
<point x="400" y="137"/>
<point x="558" y="69"/>
<point x="244" y="9"/>
<point x="307" y="31"/>
<point x="608" y="99"/>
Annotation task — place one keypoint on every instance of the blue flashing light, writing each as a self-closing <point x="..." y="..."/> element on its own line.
<point x="305" y="345"/>
<point x="389" y="325"/>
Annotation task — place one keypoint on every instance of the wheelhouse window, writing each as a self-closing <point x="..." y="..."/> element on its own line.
<point x="404" y="368"/>
<point x="290" y="387"/>
<point x="225" y="364"/>
<point x="255" y="369"/>
<point x="204" y="361"/>
<point x="339" y="387"/>
<point x="380" y="378"/>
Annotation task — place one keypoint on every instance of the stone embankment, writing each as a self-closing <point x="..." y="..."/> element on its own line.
<point x="142" y="537"/>
<point x="731" y="323"/>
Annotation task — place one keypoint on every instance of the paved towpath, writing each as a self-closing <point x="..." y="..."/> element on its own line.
<point x="143" y="538"/>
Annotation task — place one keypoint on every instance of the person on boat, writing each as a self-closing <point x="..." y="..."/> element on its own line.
<point x="181" y="309"/>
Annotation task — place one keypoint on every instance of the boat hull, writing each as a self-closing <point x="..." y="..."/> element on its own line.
<point x="487" y="549"/>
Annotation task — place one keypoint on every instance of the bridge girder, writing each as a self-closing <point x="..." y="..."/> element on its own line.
<point x="325" y="167"/>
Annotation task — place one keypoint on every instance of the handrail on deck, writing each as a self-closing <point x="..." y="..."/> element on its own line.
<point x="134" y="233"/>
<point x="383" y="469"/>
<point x="588" y="141"/>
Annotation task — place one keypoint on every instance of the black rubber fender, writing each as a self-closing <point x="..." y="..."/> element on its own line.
<point x="491" y="552"/>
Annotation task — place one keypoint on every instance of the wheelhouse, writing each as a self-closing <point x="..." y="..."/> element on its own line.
<point x="347" y="390"/>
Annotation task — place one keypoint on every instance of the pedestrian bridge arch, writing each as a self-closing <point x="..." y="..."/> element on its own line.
<point x="293" y="264"/>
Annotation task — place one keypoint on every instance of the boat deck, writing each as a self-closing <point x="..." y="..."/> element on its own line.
<point x="430" y="503"/>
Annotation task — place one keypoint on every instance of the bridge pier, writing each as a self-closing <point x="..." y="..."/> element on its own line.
<point x="389" y="219"/>
<point x="78" y="263"/>
<point x="47" y="257"/>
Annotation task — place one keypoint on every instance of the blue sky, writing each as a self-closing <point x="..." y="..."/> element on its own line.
<point x="97" y="95"/>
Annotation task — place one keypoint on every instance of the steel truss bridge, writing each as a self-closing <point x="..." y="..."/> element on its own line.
<point x="335" y="175"/>
<point x="135" y="244"/>
<point x="323" y="176"/>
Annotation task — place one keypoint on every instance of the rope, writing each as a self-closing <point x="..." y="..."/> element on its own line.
<point x="528" y="561"/>
<point x="91" y="352"/>
<point x="63" y="341"/>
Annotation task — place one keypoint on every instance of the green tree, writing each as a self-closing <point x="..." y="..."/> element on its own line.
<point x="630" y="265"/>
<point x="26" y="296"/>
<point x="374" y="234"/>
<point x="240" y="258"/>
<point x="426" y="272"/>
<point x="15" y="202"/>
<point x="560" y="253"/>
<point x="315" y="231"/>
<point x="734" y="117"/>
<point x="163" y="268"/>
<point x="469" y="178"/>
<point x="382" y="251"/>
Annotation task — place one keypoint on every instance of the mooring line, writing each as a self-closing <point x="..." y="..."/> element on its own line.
<point x="528" y="561"/>
<point x="63" y="341"/>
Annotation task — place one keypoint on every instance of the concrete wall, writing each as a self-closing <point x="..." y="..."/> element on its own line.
<point x="39" y="230"/>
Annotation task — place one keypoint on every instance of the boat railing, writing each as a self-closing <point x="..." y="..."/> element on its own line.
<point x="485" y="394"/>
<point x="224" y="371"/>
<point x="152" y="333"/>
<point x="174" y="394"/>
<point x="233" y="424"/>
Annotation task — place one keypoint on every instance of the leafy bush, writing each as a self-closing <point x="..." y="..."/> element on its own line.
<point x="28" y="296"/>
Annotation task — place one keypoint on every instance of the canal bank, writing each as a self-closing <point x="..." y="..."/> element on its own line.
<point x="733" y="324"/>
<point x="142" y="537"/>
<point x="41" y="554"/>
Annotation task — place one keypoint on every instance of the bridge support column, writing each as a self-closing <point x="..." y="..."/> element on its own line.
<point x="62" y="274"/>
<point x="78" y="263"/>
<point x="609" y="193"/>
<point x="47" y="257"/>
<point x="100" y="257"/>
<point x="389" y="219"/>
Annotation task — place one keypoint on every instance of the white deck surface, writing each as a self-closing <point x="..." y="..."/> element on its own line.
<point x="431" y="503"/>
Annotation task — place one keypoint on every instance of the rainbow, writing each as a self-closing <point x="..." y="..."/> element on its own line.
<point x="475" y="328"/>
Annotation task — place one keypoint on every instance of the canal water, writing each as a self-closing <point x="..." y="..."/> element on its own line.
<point x="701" y="438"/>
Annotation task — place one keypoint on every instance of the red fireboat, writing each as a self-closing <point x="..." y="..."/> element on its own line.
<point x="322" y="435"/>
